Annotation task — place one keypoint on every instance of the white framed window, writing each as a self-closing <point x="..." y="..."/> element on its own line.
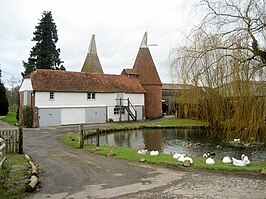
<point x="51" y="95"/>
<point x="90" y="95"/>
<point x="117" y="111"/>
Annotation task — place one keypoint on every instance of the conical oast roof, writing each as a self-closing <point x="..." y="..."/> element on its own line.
<point x="145" y="66"/>
<point x="92" y="63"/>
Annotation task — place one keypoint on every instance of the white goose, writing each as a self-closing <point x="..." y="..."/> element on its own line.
<point x="246" y="160"/>
<point x="154" y="153"/>
<point x="177" y="155"/>
<point x="226" y="160"/>
<point x="142" y="151"/>
<point x="181" y="158"/>
<point x="241" y="163"/>
<point x="189" y="159"/>
<point x="210" y="161"/>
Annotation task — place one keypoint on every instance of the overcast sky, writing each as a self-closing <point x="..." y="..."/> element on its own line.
<point x="118" y="25"/>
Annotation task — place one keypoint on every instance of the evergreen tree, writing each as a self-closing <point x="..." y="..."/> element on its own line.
<point x="3" y="100"/>
<point x="44" y="55"/>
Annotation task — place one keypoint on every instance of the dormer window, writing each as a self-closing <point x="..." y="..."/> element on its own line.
<point x="90" y="95"/>
<point x="51" y="95"/>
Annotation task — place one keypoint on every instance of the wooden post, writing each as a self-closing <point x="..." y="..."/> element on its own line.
<point x="128" y="108"/>
<point x="97" y="138"/>
<point x="120" y="110"/>
<point x="20" y="141"/>
<point x="81" y="137"/>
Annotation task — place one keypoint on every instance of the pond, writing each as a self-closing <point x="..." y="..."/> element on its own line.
<point x="192" y="142"/>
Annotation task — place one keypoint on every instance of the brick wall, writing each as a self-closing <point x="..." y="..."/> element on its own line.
<point x="153" y="101"/>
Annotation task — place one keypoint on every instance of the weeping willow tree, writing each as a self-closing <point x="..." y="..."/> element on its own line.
<point x="225" y="61"/>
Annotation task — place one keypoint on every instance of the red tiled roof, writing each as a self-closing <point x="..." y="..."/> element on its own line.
<point x="129" y="71"/>
<point x="145" y="67"/>
<point x="66" y="81"/>
<point x="92" y="64"/>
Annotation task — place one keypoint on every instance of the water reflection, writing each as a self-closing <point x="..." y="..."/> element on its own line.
<point x="153" y="140"/>
<point x="193" y="142"/>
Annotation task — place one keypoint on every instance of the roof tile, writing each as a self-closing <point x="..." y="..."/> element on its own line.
<point x="66" y="81"/>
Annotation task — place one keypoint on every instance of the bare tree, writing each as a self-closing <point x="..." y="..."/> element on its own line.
<point x="13" y="92"/>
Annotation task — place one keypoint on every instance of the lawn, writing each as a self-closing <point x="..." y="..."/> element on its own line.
<point x="162" y="159"/>
<point x="177" y="122"/>
<point x="14" y="177"/>
<point x="11" y="118"/>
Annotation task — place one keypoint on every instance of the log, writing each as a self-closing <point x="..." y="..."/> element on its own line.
<point x="2" y="146"/>
<point x="2" y="162"/>
<point x="27" y="157"/>
<point x="33" y="182"/>
<point x="33" y="169"/>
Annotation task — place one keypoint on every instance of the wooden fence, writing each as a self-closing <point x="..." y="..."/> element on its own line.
<point x="13" y="139"/>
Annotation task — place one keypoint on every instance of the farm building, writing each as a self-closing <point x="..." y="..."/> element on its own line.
<point x="65" y="97"/>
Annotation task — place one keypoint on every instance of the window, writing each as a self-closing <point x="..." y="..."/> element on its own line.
<point x="90" y="95"/>
<point x="25" y="98"/>
<point x="117" y="111"/>
<point x="51" y="95"/>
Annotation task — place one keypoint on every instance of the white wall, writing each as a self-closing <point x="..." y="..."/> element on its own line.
<point x="68" y="99"/>
<point x="26" y="85"/>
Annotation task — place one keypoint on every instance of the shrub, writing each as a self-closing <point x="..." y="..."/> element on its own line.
<point x="27" y="117"/>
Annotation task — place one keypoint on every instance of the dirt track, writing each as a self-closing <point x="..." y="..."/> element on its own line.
<point x="72" y="173"/>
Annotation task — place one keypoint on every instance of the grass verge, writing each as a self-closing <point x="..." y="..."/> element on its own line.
<point x="162" y="159"/>
<point x="11" y="118"/>
<point x="14" y="177"/>
<point x="176" y="122"/>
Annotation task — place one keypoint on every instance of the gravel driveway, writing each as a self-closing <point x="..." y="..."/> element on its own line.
<point x="71" y="173"/>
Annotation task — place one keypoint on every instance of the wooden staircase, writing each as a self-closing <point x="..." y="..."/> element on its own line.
<point x="132" y="113"/>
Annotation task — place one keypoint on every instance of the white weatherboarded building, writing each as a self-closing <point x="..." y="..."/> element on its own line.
<point x="62" y="97"/>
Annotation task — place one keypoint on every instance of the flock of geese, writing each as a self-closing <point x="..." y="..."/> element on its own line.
<point x="244" y="161"/>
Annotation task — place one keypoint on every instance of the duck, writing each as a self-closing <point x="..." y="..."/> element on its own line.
<point x="211" y="154"/>
<point x="226" y="160"/>
<point x="154" y="153"/>
<point x="204" y="155"/>
<point x="210" y="161"/>
<point x="142" y="151"/>
<point x="237" y="140"/>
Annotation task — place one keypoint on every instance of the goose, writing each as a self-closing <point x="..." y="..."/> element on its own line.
<point x="210" y="161"/>
<point x="154" y="153"/>
<point x="241" y="163"/>
<point x="142" y="151"/>
<point x="181" y="158"/>
<point x="246" y="160"/>
<point x="226" y="160"/>
<point x="238" y="163"/>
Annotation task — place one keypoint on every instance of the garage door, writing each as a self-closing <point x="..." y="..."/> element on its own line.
<point x="96" y="115"/>
<point x="72" y="116"/>
<point x="49" y="117"/>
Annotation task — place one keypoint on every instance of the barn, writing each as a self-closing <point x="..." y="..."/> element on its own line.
<point x="65" y="97"/>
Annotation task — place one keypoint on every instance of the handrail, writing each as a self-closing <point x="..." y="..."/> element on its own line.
<point x="128" y="107"/>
